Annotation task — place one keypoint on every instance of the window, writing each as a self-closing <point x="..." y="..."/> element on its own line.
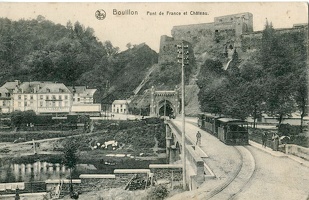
<point x="60" y="97"/>
<point x="25" y="97"/>
<point x="41" y="103"/>
<point x="73" y="99"/>
<point x="78" y="99"/>
<point x="19" y="96"/>
<point x="31" y="97"/>
<point x="66" y="97"/>
<point x="54" y="96"/>
<point x="47" y="97"/>
<point x="121" y="110"/>
<point x="121" y="106"/>
<point x="0" y="94"/>
<point x="41" y="97"/>
<point x="25" y="103"/>
<point x="4" y="103"/>
<point x="54" y="104"/>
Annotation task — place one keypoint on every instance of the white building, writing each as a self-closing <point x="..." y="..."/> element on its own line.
<point x="47" y="98"/>
<point x="82" y="95"/>
<point x="120" y="106"/>
<point x="83" y="101"/>
<point x="42" y="97"/>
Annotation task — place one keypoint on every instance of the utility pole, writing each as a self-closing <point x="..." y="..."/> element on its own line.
<point x="164" y="108"/>
<point x="183" y="59"/>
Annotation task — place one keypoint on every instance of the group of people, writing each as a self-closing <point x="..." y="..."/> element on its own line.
<point x="275" y="140"/>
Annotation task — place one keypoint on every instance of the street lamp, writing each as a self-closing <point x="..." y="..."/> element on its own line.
<point x="183" y="58"/>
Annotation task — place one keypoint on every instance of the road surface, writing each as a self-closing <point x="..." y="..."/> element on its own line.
<point x="274" y="177"/>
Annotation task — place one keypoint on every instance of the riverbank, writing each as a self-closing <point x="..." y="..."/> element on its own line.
<point x="111" y="145"/>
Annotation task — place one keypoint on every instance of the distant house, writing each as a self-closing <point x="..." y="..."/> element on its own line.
<point x="82" y="95"/>
<point x="120" y="106"/>
<point x="83" y="101"/>
<point x="6" y="96"/>
<point x="5" y="101"/>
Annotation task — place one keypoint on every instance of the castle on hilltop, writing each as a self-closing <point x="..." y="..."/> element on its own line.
<point x="230" y="31"/>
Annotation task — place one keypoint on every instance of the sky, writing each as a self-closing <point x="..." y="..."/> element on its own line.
<point x="145" y="28"/>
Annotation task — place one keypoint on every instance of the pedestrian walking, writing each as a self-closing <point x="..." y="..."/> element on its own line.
<point x="275" y="139"/>
<point x="264" y="139"/>
<point x="198" y="138"/>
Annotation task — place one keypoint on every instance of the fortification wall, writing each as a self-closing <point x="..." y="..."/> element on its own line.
<point x="168" y="50"/>
<point x="192" y="33"/>
<point x="228" y="31"/>
<point x="253" y="40"/>
<point x="240" y="23"/>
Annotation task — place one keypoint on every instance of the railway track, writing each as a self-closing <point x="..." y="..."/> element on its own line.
<point x="239" y="180"/>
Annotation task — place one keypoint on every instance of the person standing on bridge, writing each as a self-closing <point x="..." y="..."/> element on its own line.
<point x="275" y="139"/>
<point x="264" y="139"/>
<point x="198" y="138"/>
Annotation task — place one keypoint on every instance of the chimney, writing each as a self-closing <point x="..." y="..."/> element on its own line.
<point x="17" y="82"/>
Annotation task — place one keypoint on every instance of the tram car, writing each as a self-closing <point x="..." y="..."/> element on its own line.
<point x="228" y="130"/>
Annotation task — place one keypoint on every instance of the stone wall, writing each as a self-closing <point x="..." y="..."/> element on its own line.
<point x="192" y="33"/>
<point x="228" y="32"/>
<point x="252" y="41"/>
<point x="298" y="151"/>
<point x="224" y="29"/>
<point x="168" y="50"/>
<point x="237" y="23"/>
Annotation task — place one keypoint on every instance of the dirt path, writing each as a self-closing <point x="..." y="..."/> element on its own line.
<point x="5" y="144"/>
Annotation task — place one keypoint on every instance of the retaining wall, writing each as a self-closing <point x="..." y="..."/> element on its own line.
<point x="296" y="150"/>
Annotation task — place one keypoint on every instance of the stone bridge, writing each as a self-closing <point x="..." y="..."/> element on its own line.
<point x="197" y="170"/>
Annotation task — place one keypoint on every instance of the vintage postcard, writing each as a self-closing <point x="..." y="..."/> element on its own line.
<point x="149" y="101"/>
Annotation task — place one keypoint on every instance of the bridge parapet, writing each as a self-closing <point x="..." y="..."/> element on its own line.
<point x="197" y="169"/>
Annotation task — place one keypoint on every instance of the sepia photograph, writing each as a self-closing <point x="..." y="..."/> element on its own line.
<point x="154" y="101"/>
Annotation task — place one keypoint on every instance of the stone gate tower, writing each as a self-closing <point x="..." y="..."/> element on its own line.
<point x="165" y="101"/>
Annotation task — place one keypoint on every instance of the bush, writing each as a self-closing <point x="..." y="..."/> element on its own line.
<point x="158" y="192"/>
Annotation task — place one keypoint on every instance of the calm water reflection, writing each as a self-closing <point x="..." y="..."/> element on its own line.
<point x="38" y="171"/>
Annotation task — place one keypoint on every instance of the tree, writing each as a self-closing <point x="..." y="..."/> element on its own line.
<point x="129" y="45"/>
<point x="276" y="58"/>
<point x="16" y="119"/>
<point x="70" y="158"/>
<point x="212" y="83"/>
<point x="110" y="49"/>
<point x="19" y="117"/>
<point x="301" y="95"/>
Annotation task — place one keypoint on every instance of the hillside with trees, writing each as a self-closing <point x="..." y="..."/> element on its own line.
<point x="271" y="80"/>
<point x="40" y="50"/>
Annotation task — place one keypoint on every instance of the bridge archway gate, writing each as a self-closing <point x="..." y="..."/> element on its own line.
<point x="164" y="101"/>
